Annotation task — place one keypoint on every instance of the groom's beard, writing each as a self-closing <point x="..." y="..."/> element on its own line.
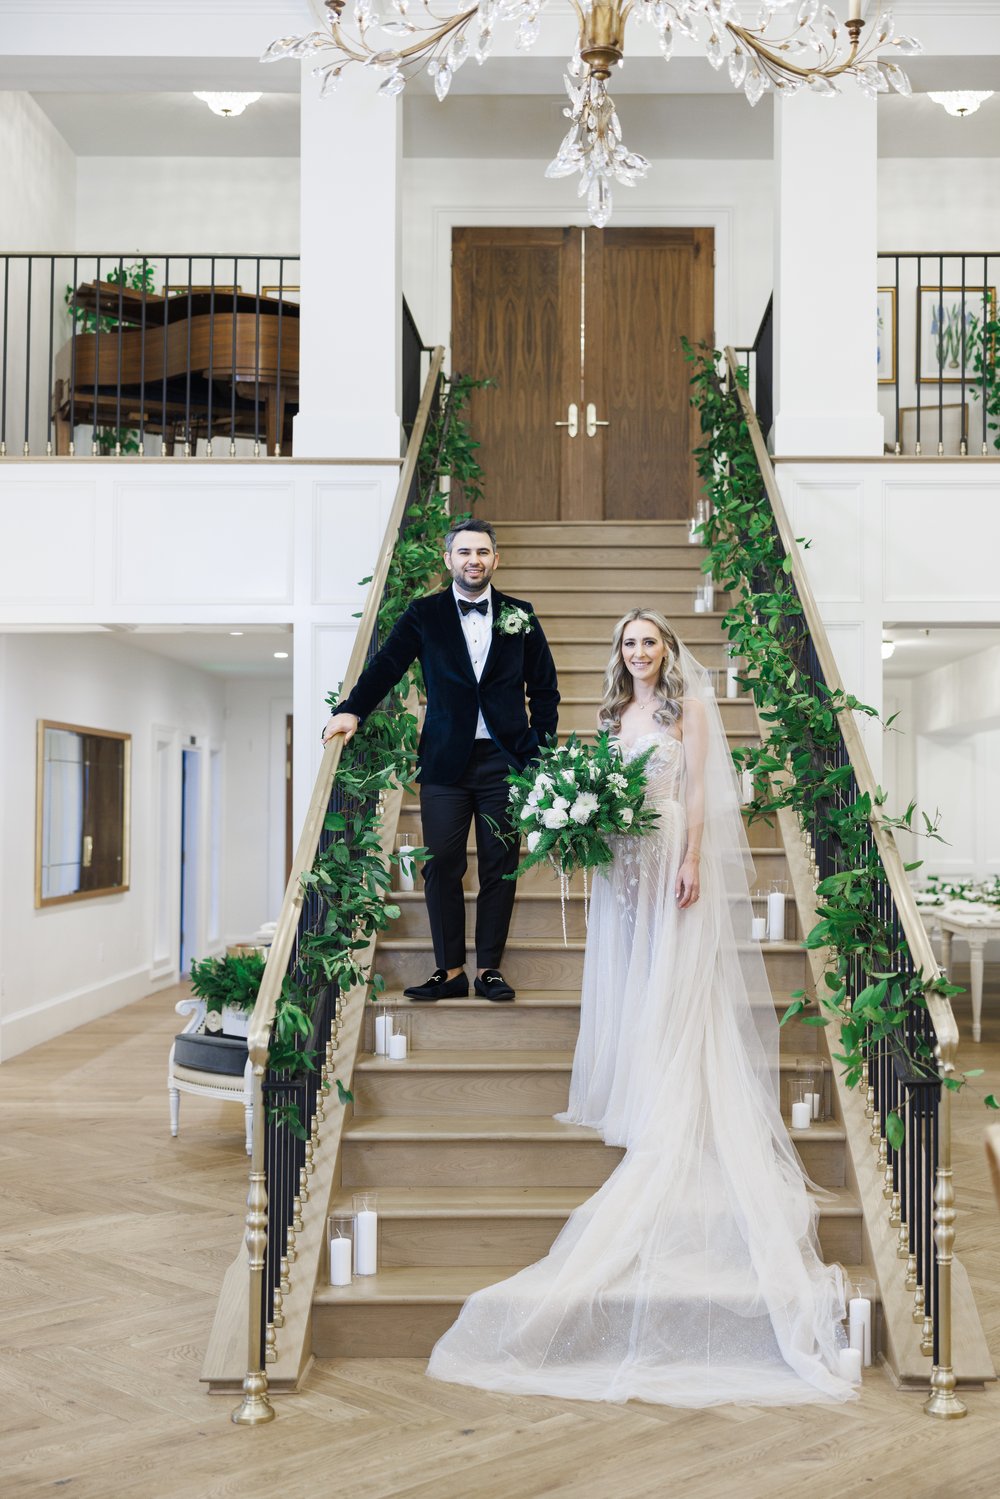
<point x="472" y="587"/>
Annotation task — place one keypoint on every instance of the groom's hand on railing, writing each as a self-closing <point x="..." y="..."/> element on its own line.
<point x="341" y="723"/>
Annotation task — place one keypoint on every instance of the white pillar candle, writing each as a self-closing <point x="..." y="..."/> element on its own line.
<point x="699" y="603"/>
<point x="340" y="1261"/>
<point x="397" y="1048"/>
<point x="732" y="686"/>
<point x="859" y="1321"/>
<point x="383" y="1030"/>
<point x="708" y="594"/>
<point x="746" y="786"/>
<point x="759" y="928"/>
<point x="405" y="866"/>
<point x="814" y="1099"/>
<point x="776" y="916"/>
<point x="365" y="1242"/>
<point x="850" y="1365"/>
<point x="801" y="1115"/>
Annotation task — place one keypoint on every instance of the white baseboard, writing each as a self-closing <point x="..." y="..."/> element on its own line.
<point x="29" y="1027"/>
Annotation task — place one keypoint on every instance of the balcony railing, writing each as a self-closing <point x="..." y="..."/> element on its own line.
<point x="152" y="355"/>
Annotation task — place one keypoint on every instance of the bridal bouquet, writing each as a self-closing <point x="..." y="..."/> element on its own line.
<point x="573" y="799"/>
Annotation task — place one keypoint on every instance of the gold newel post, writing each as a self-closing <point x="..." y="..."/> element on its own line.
<point x="256" y="1408"/>
<point x="942" y="1401"/>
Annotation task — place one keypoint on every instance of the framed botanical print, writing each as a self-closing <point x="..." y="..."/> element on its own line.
<point x="886" y="345"/>
<point x="950" y="323"/>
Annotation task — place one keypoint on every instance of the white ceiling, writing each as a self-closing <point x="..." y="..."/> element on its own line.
<point x="923" y="649"/>
<point x="171" y="124"/>
<point x="216" y="649"/>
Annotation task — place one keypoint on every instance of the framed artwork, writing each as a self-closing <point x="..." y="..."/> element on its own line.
<point x="886" y="345"/>
<point x="949" y="328"/>
<point x="284" y="293"/>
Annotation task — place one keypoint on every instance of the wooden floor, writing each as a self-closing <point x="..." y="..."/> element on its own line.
<point x="115" y="1239"/>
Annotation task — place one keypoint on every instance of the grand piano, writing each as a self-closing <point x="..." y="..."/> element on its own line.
<point x="195" y="364"/>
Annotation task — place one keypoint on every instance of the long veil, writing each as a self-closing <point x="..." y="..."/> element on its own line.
<point x="692" y="1277"/>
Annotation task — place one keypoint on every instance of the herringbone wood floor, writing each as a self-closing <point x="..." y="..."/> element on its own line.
<point x="115" y="1239"/>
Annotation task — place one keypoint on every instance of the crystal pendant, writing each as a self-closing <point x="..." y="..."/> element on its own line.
<point x="807" y="12"/>
<point x="667" y="42"/>
<point x="755" y="86"/>
<point x="331" y="78"/>
<point x="394" y="84"/>
<point x="442" y="83"/>
<point x="599" y="202"/>
<point x="484" y="45"/>
<point x="819" y="85"/>
<point x="714" y="52"/>
<point x="737" y="68"/>
<point x="908" y="45"/>
<point x="397" y="27"/>
<point x="527" y="32"/>
<point x="458" y="52"/>
<point x="897" y="78"/>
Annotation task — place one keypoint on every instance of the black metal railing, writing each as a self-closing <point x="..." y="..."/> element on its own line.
<point x="937" y="340"/>
<point x="758" y="358"/>
<point x="904" y="1070"/>
<point x="116" y="354"/>
<point x="283" y="1157"/>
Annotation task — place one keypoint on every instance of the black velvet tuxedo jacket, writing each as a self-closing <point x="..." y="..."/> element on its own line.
<point x="517" y="666"/>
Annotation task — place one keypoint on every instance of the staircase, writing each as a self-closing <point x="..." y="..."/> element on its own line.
<point x="474" y="1177"/>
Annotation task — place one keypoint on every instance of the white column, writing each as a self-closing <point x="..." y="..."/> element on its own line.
<point x="349" y="340"/>
<point x="826" y="274"/>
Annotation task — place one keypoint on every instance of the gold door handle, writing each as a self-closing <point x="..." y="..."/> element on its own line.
<point x="592" y="422"/>
<point x="573" y="419"/>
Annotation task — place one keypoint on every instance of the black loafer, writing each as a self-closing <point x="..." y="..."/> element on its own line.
<point x="440" y="986"/>
<point x="493" y="985"/>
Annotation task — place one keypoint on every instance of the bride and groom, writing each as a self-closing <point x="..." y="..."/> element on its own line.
<point x="692" y="1276"/>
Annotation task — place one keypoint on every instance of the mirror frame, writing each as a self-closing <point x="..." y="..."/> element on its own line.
<point x="75" y="728"/>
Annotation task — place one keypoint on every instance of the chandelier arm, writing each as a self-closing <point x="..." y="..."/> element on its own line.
<point x="403" y="54"/>
<point x="764" y="54"/>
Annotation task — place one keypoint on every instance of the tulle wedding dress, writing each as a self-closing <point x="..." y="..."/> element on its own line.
<point x="692" y="1276"/>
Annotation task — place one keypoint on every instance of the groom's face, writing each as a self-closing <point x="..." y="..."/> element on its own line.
<point x="472" y="561"/>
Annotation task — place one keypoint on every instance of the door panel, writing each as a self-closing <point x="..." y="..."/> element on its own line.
<point x="594" y="317"/>
<point x="512" y="315"/>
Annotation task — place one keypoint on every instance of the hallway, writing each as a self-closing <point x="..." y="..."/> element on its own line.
<point x="115" y="1240"/>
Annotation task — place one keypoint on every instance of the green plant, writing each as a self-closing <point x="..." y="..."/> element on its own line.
<point x="227" y="981"/>
<point x="136" y="277"/>
<point x="983" y="347"/>
<point x="800" y="766"/>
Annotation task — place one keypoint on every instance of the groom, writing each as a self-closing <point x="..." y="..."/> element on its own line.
<point x="481" y="652"/>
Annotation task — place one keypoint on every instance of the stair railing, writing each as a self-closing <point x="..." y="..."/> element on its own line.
<point x="917" y="1176"/>
<point x="282" y="1162"/>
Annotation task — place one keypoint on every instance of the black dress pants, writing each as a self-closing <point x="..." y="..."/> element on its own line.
<point x="446" y="813"/>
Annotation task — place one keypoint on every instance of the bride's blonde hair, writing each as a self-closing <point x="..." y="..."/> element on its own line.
<point x="669" y="687"/>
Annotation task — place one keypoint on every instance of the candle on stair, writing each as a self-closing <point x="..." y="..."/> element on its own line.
<point x="850" y="1365"/>
<point x="406" y="863"/>
<point x="859" y="1322"/>
<point x="365" y="1233"/>
<point x="383" y="1029"/>
<point x="801" y="1114"/>
<point x="397" y="1047"/>
<point x="340" y="1231"/>
<point x="776" y="916"/>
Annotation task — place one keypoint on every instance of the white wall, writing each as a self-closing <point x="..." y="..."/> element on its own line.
<point x="162" y="205"/>
<point x="254" y="820"/>
<point x="67" y="964"/>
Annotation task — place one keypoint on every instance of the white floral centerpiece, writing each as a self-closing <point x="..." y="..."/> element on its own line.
<point x="573" y="799"/>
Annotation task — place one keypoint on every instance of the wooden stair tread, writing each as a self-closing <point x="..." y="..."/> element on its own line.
<point x="568" y="999"/>
<point x="485" y="1060"/>
<point x="546" y="944"/>
<point x="417" y="1127"/>
<point x="522" y="1202"/>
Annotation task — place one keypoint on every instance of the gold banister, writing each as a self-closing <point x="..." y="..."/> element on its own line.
<point x="942" y="1401"/>
<point x="255" y="1407"/>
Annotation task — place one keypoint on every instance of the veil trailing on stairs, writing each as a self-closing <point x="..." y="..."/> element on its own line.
<point x="692" y="1277"/>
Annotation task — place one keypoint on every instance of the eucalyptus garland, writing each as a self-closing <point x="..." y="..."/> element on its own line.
<point x="800" y="767"/>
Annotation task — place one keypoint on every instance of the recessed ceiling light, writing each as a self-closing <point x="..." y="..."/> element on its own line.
<point x="281" y="655"/>
<point x="236" y="632"/>
<point x="888" y="647"/>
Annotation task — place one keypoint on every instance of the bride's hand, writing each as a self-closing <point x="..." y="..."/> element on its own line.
<point x="688" y="883"/>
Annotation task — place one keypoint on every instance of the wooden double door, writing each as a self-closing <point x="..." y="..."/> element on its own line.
<point x="589" y="417"/>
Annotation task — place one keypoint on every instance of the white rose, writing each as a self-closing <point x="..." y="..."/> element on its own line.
<point x="573" y="752"/>
<point x="568" y="777"/>
<point x="533" y="841"/>
<point x="626" y="816"/>
<point x="555" y="817"/>
<point x="542" y="783"/>
<point x="594" y="770"/>
<point x="584" y="807"/>
<point x="527" y="812"/>
<point x="560" y="803"/>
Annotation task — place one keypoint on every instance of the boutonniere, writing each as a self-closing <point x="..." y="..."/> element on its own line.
<point x="514" y="621"/>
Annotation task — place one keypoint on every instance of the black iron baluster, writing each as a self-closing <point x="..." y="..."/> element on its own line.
<point x="118" y="381"/>
<point x="27" y="363"/>
<point x="94" y="442"/>
<point x="74" y="325"/>
<point x="166" y="340"/>
<point x="920" y="345"/>
<point x="52" y="323"/>
<point x="895" y="356"/>
<point x="963" y="446"/>
<point x="941" y="359"/>
<point x="232" y="398"/>
<point x="986" y="318"/>
<point x="256" y="366"/>
<point x="211" y="350"/>
<point x="142" y="360"/>
<point x="189" y="446"/>
<point x="279" y="424"/>
<point x="6" y="326"/>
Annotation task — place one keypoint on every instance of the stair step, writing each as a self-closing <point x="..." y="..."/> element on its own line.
<point x="547" y="1021"/>
<point x="568" y="533"/>
<point x="587" y="682"/>
<point x="580" y="712"/>
<point x="533" y="964"/>
<point x="486" y="1226"/>
<point x="588" y="652"/>
<point x="676" y="603"/>
<point x="762" y="836"/>
<point x="596" y="557"/>
<point x="538" y="913"/>
<point x="650" y="579"/>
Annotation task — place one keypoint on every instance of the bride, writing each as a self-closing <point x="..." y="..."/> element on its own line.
<point x="692" y="1276"/>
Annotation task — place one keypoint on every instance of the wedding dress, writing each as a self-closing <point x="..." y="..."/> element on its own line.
<point x="692" y="1276"/>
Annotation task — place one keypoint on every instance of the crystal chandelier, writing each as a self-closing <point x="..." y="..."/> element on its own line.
<point x="787" y="45"/>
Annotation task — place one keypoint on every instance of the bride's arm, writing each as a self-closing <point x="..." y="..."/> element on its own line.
<point x="688" y="885"/>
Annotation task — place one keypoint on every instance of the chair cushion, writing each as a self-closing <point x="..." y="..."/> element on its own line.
<point x="222" y="1054"/>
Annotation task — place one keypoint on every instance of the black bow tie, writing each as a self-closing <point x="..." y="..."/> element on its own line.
<point x="466" y="605"/>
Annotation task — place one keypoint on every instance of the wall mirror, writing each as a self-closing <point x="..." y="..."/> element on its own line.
<point x="82" y="796"/>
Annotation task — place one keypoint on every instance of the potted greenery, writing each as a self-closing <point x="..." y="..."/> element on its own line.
<point x="229" y="988"/>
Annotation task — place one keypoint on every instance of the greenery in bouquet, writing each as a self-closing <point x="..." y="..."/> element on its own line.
<point x="573" y="798"/>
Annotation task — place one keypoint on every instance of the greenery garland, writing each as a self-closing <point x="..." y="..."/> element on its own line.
<point x="798" y="766"/>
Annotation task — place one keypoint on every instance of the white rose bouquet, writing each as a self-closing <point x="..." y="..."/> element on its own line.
<point x="573" y="799"/>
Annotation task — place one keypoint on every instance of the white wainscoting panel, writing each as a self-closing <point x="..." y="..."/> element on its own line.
<point x="828" y="514"/>
<point x="48" y="550"/>
<point x="347" y="533"/>
<point x="928" y="531"/>
<point x="190" y="542"/>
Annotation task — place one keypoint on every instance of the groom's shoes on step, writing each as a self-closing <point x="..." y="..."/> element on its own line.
<point x="493" y="985"/>
<point x="440" y="986"/>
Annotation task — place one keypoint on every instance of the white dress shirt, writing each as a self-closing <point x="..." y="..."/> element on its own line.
<point x="478" y="631"/>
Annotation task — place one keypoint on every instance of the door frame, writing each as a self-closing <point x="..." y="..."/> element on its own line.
<point x="447" y="218"/>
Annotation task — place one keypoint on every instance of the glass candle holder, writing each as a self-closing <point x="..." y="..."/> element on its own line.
<point x="861" y="1317"/>
<point x="406" y="869"/>
<point x="758" y="916"/>
<point x="777" y="896"/>
<point x="381" y="1028"/>
<point x="340" y="1245"/>
<point x="366" y="1235"/>
<point x="801" y="1101"/>
<point x="398" y="1035"/>
<point x="810" y="1080"/>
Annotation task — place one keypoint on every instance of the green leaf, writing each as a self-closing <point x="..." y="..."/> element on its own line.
<point x="991" y="1101"/>
<point x="344" y="1094"/>
<point x="895" y="1130"/>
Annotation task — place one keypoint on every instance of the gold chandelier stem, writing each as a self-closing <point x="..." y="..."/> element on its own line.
<point x="747" y="39"/>
<point x="428" y="42"/>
